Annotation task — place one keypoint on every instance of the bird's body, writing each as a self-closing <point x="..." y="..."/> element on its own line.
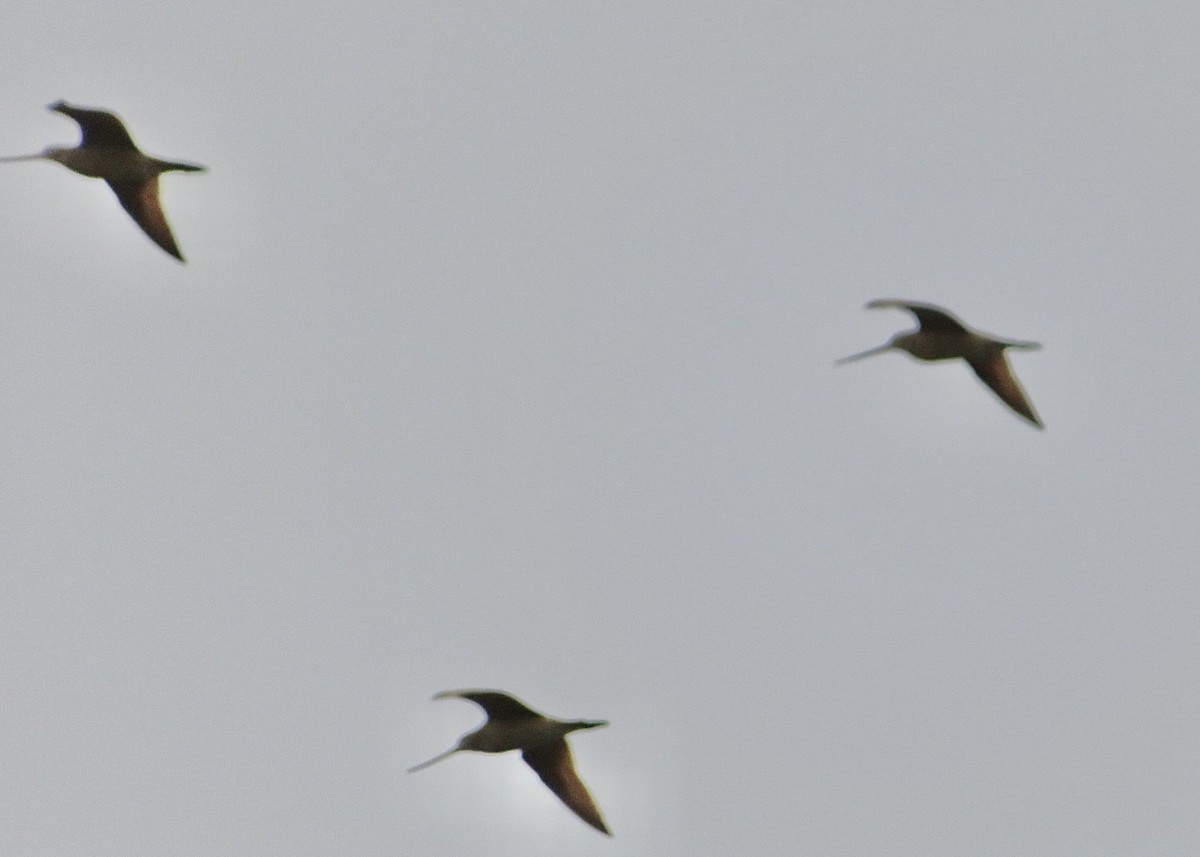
<point x="941" y="336"/>
<point x="512" y="725"/>
<point x="108" y="152"/>
<point x="502" y="736"/>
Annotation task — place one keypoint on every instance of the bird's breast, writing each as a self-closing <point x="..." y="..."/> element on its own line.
<point x="507" y="735"/>
<point x="945" y="346"/>
<point x="116" y="165"/>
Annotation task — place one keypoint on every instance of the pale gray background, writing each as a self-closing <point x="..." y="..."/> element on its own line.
<point x="504" y="358"/>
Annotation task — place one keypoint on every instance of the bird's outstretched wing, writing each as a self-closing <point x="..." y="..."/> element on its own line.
<point x="554" y="765"/>
<point x="99" y="127"/>
<point x="998" y="375"/>
<point x="140" y="199"/>
<point x="497" y="705"/>
<point x="930" y="317"/>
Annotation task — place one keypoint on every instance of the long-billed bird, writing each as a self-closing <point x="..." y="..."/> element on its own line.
<point x="941" y="336"/>
<point x="512" y="725"/>
<point x="108" y="152"/>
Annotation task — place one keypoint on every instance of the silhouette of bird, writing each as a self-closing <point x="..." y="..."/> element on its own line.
<point x="941" y="336"/>
<point x="108" y="152"/>
<point x="512" y="725"/>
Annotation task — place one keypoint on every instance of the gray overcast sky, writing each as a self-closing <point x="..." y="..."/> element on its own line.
<point x="504" y="358"/>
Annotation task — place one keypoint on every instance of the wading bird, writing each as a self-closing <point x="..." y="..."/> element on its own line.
<point x="941" y="336"/>
<point x="511" y="725"/>
<point x="108" y="152"/>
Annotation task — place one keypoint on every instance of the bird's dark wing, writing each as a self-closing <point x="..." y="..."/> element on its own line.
<point x="998" y="375"/>
<point x="499" y="706"/>
<point x="931" y="318"/>
<point x="140" y="199"/>
<point x="554" y="765"/>
<point x="99" y="127"/>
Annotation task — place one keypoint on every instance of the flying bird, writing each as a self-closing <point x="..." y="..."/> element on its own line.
<point x="941" y="336"/>
<point x="512" y="725"/>
<point x="108" y="152"/>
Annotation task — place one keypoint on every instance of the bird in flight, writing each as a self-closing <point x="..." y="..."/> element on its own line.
<point x="512" y="725"/>
<point x="941" y="336"/>
<point x="108" y="152"/>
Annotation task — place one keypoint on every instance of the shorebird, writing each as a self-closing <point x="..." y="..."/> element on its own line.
<point x="108" y="152"/>
<point x="941" y="336"/>
<point x="512" y="725"/>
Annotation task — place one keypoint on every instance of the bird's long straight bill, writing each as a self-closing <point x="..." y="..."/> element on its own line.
<point x="436" y="758"/>
<point x="868" y="353"/>
<point x="36" y="157"/>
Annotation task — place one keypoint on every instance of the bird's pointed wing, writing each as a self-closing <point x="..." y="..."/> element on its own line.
<point x="998" y="375"/>
<point x="99" y="127"/>
<point x="140" y="199"/>
<point x="554" y="765"/>
<point x="497" y="705"/>
<point x="930" y="317"/>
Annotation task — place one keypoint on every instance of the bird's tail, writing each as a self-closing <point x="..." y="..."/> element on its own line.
<point x="588" y="724"/>
<point x="167" y="166"/>
<point x="1021" y="345"/>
